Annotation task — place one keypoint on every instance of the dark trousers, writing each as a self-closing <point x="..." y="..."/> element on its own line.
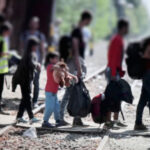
<point x="1" y="85"/>
<point x="25" y="102"/>
<point x="144" y="99"/>
<point x="140" y="108"/>
<point x="36" y="87"/>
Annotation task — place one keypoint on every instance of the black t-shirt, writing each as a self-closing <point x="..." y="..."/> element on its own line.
<point x="77" y="33"/>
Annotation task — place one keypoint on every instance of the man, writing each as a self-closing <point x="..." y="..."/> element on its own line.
<point x="115" y="57"/>
<point x="145" y="92"/>
<point x="5" y="31"/>
<point x="76" y="63"/>
<point x="33" y="30"/>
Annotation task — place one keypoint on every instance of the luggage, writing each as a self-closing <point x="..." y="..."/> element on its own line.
<point x="65" y="47"/>
<point x="134" y="60"/>
<point x="97" y="109"/>
<point x="79" y="100"/>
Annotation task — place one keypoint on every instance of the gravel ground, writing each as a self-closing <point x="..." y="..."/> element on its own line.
<point x="45" y="141"/>
<point x="124" y="140"/>
<point x="129" y="143"/>
<point x="57" y="141"/>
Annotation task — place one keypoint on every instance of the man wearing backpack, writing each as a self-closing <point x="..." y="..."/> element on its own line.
<point x="115" y="57"/>
<point x="145" y="93"/>
<point x="33" y="30"/>
<point x="76" y="62"/>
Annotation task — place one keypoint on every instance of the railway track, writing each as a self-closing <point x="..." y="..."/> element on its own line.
<point x="105" y="137"/>
<point x="8" y="128"/>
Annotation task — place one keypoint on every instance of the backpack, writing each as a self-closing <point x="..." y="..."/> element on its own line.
<point x="64" y="47"/>
<point x="134" y="61"/>
<point x="79" y="100"/>
<point x="98" y="115"/>
<point x="126" y="93"/>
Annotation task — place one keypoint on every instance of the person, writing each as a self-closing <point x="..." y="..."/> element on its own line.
<point x="5" y="31"/>
<point x="24" y="77"/>
<point x="57" y="74"/>
<point x="145" y="92"/>
<point x="114" y="69"/>
<point x="33" y="30"/>
<point x="76" y="62"/>
<point x="88" y="39"/>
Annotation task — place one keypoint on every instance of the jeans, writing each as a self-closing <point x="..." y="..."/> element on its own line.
<point x="25" y="102"/>
<point x="36" y="87"/>
<point x="144" y="99"/>
<point x="108" y="75"/>
<point x="1" y="85"/>
<point x="64" y="104"/>
<point x="51" y="106"/>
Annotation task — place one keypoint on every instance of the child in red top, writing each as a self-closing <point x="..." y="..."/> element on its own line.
<point x="57" y="75"/>
<point x="115" y="57"/>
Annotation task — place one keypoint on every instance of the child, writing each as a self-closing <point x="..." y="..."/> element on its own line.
<point x="145" y="93"/>
<point x="115" y="57"/>
<point x="5" y="31"/>
<point x="24" y="77"/>
<point x="57" y="74"/>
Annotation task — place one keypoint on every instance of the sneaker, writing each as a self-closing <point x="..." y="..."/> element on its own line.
<point x="34" y="120"/>
<point x="140" y="127"/>
<point x="64" y="123"/>
<point x="78" y="122"/>
<point x="120" y="124"/>
<point x="61" y="123"/>
<point x="35" y="105"/>
<point x="21" y="120"/>
<point x="109" y="125"/>
<point x="47" y="125"/>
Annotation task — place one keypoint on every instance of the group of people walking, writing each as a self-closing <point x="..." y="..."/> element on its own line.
<point x="64" y="73"/>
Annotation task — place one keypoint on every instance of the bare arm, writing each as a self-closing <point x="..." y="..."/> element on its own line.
<point x="72" y="76"/>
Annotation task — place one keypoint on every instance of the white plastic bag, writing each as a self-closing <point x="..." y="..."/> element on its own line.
<point x="31" y="132"/>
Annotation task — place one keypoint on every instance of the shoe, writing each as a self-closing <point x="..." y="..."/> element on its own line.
<point x="47" y="125"/>
<point x="61" y="123"/>
<point x="78" y="122"/>
<point x="109" y="125"/>
<point x="21" y="120"/>
<point x="64" y="123"/>
<point x="140" y="127"/>
<point x="120" y="124"/>
<point x="35" y="105"/>
<point x="34" y="120"/>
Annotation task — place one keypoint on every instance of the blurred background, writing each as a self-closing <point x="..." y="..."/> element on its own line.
<point x="60" y="16"/>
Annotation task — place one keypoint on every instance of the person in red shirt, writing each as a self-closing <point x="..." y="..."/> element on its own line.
<point x="114" y="69"/>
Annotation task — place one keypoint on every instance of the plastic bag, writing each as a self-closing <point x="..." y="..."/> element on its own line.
<point x="31" y="132"/>
<point x="79" y="101"/>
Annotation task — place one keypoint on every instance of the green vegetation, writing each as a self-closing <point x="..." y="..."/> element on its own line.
<point x="105" y="16"/>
